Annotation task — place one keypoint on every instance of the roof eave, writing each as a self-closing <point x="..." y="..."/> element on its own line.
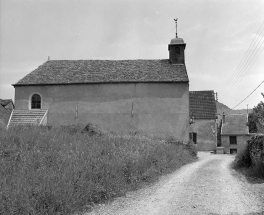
<point x="114" y="82"/>
<point x="235" y="134"/>
<point x="205" y="118"/>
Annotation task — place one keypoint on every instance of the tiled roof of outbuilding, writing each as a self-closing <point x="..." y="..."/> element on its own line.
<point x="105" y="71"/>
<point x="5" y="102"/>
<point x="202" y="104"/>
<point x="235" y="124"/>
<point x="4" y="114"/>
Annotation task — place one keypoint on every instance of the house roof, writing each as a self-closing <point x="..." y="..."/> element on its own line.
<point x="105" y="71"/>
<point x="4" y="114"/>
<point x="5" y="102"/>
<point x="235" y="124"/>
<point x="202" y="104"/>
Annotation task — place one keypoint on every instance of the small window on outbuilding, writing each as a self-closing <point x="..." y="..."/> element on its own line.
<point x="36" y="101"/>
<point x="233" y="151"/>
<point x="193" y="137"/>
<point x="232" y="139"/>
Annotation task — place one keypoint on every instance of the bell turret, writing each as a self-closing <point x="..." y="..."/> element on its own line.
<point x="176" y="49"/>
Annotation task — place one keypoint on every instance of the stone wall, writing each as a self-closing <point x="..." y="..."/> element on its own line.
<point x="256" y="149"/>
<point x="156" y="109"/>
<point x="206" y="134"/>
<point x="241" y="143"/>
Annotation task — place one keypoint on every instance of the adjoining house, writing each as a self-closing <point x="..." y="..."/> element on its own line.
<point x="6" y="107"/>
<point x="234" y="132"/>
<point x="203" y="129"/>
<point x="148" y="96"/>
<point x="7" y="104"/>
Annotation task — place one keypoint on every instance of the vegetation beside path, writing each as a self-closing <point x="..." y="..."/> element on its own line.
<point x="250" y="160"/>
<point x="48" y="170"/>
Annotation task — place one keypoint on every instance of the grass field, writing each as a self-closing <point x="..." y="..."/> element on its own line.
<point x="61" y="171"/>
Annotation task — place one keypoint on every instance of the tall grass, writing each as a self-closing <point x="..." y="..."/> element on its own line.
<point x="54" y="171"/>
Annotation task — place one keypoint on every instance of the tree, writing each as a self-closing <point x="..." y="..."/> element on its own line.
<point x="256" y="118"/>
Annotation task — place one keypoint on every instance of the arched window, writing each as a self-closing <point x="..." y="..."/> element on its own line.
<point x="36" y="101"/>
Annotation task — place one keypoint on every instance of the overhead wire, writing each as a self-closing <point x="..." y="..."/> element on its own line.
<point x="250" y="64"/>
<point x="247" y="60"/>
<point x="232" y="78"/>
<point x="247" y="66"/>
<point x="248" y="95"/>
<point x="244" y="63"/>
<point x="244" y="59"/>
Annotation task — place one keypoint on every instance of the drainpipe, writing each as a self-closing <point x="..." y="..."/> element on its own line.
<point x="76" y="111"/>
<point x="247" y="108"/>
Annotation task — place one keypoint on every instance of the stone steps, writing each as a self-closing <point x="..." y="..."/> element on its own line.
<point x="26" y="117"/>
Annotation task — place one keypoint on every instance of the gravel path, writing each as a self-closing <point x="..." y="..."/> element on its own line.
<point x="207" y="186"/>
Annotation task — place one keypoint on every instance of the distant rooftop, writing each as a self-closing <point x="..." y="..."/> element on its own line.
<point x="202" y="104"/>
<point x="4" y="115"/>
<point x="5" y="102"/>
<point x="235" y="124"/>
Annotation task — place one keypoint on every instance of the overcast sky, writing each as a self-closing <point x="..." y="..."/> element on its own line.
<point x="218" y="34"/>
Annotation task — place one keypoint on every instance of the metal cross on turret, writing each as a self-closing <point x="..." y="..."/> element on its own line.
<point x="176" y="26"/>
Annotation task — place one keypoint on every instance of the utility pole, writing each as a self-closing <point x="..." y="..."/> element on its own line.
<point x="247" y="108"/>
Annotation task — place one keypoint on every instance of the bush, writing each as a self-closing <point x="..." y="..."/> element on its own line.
<point x="256" y="171"/>
<point x="256" y="118"/>
<point x="47" y="170"/>
<point x="242" y="158"/>
<point x="243" y="161"/>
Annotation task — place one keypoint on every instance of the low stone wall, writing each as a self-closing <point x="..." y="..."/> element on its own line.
<point x="256" y="149"/>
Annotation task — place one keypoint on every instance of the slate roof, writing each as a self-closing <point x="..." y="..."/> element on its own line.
<point x="5" y="102"/>
<point x="4" y="114"/>
<point x="202" y="104"/>
<point x="235" y="124"/>
<point x="105" y="71"/>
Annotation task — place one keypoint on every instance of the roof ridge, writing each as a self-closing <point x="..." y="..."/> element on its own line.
<point x="165" y="59"/>
<point x="202" y="91"/>
<point x="236" y="114"/>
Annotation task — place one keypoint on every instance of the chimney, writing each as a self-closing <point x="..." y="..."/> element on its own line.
<point x="223" y="117"/>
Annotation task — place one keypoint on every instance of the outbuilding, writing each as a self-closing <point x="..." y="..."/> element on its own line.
<point x="234" y="132"/>
<point x="203" y="129"/>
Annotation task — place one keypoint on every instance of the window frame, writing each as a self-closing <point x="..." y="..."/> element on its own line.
<point x="30" y="101"/>
<point x="233" y="140"/>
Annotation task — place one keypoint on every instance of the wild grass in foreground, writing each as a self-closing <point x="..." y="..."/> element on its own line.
<point x="57" y="171"/>
<point x="244" y="164"/>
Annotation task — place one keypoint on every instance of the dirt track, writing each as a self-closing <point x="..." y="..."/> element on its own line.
<point x="207" y="186"/>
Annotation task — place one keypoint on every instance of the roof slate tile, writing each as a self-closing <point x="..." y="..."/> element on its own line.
<point x="202" y="104"/>
<point x="105" y="71"/>
<point x="235" y="124"/>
